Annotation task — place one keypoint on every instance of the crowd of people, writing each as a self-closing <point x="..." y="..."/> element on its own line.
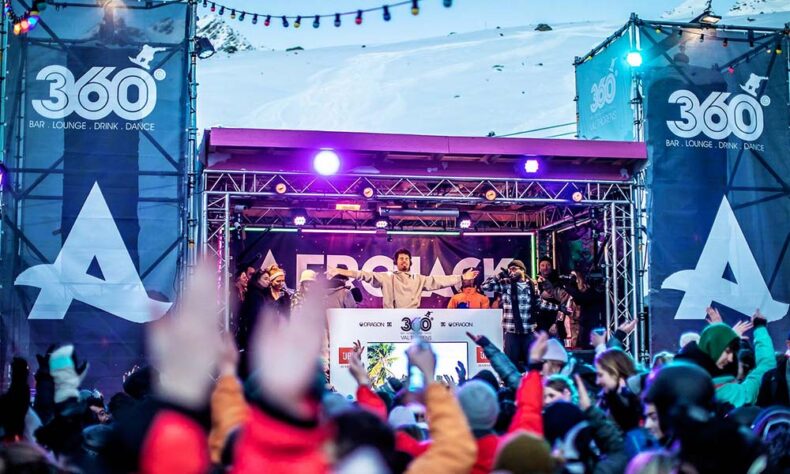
<point x="716" y="403"/>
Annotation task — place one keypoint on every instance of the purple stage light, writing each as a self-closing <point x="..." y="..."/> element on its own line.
<point x="326" y="162"/>
<point x="3" y="175"/>
<point x="531" y="165"/>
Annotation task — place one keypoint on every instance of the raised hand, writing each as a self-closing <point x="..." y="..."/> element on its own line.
<point x="460" y="370"/>
<point x="584" y="397"/>
<point x="448" y="380"/>
<point x="713" y="315"/>
<point x="228" y="356"/>
<point x="741" y="327"/>
<point x="286" y="353"/>
<point x="758" y="315"/>
<point x="185" y="346"/>
<point x="538" y="347"/>
<point x="422" y="356"/>
<point x="356" y="367"/>
<point x="479" y="339"/>
<point x="597" y="338"/>
<point x="628" y="326"/>
<point x="470" y="275"/>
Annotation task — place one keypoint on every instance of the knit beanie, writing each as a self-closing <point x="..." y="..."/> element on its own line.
<point x="401" y="416"/>
<point x="479" y="403"/>
<point x="555" y="351"/>
<point x="558" y="418"/>
<point x="517" y="263"/>
<point x="523" y="453"/>
<point x="687" y="338"/>
<point x="715" y="338"/>
<point x="488" y="377"/>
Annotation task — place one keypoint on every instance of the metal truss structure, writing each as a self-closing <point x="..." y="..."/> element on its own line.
<point x="237" y="201"/>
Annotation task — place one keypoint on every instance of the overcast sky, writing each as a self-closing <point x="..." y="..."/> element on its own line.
<point x="433" y="20"/>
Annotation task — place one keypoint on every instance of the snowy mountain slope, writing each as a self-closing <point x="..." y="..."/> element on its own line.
<point x="686" y="10"/>
<point x="505" y="81"/>
<point x="758" y="7"/>
<point x="689" y="9"/>
<point x="223" y="37"/>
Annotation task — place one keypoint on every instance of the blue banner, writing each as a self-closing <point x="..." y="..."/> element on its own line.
<point x="717" y="139"/>
<point x="603" y="91"/>
<point x="100" y="107"/>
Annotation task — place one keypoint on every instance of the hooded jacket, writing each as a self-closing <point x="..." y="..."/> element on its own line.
<point x="727" y="387"/>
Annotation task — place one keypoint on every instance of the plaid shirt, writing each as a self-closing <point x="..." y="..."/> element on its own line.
<point x="529" y="303"/>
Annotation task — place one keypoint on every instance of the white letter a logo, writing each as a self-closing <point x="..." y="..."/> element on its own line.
<point x="705" y="284"/>
<point x="93" y="236"/>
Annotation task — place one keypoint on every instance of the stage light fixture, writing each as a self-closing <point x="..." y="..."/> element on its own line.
<point x="368" y="192"/>
<point x="464" y="220"/>
<point x="577" y="196"/>
<point x="346" y="206"/>
<point x="531" y="165"/>
<point x="299" y="217"/>
<point x="280" y="187"/>
<point x="707" y="18"/>
<point x="203" y="47"/>
<point x="326" y="162"/>
<point x="490" y="194"/>
<point x="382" y="222"/>
<point x="634" y="59"/>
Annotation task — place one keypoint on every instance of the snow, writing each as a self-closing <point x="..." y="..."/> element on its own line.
<point x="502" y="81"/>
<point x="447" y="85"/>
<point x="686" y="10"/>
<point x="758" y="7"/>
<point x="689" y="9"/>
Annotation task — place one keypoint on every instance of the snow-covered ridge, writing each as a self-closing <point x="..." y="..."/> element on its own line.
<point x="689" y="9"/>
<point x="223" y="37"/>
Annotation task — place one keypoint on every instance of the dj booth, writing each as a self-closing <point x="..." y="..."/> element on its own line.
<point x="387" y="333"/>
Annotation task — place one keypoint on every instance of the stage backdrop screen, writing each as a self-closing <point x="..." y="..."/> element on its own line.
<point x="98" y="103"/>
<point x="718" y="141"/>
<point x="431" y="255"/>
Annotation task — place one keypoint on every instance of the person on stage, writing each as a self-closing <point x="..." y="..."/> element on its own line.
<point x="278" y="298"/>
<point x="469" y="297"/>
<point x="521" y="302"/>
<point x="552" y="289"/>
<point x="401" y="289"/>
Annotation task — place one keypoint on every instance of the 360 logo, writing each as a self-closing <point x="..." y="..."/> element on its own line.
<point x="94" y="95"/>
<point x="742" y="116"/>
<point x="604" y="91"/>
<point x="425" y="323"/>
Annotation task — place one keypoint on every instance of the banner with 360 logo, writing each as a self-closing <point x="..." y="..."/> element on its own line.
<point x="98" y="217"/>
<point x="719" y="228"/>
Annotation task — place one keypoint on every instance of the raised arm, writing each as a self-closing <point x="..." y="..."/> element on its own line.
<point x="437" y="282"/>
<point x="374" y="278"/>
<point x="494" y="283"/>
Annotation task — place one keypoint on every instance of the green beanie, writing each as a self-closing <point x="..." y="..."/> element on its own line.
<point x="715" y="338"/>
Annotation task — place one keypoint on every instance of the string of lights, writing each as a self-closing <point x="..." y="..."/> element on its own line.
<point x="28" y="20"/>
<point x="297" y="19"/>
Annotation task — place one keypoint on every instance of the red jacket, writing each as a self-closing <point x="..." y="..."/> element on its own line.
<point x="174" y="443"/>
<point x="529" y="405"/>
<point x="267" y="444"/>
